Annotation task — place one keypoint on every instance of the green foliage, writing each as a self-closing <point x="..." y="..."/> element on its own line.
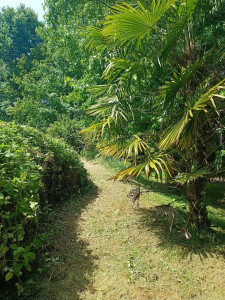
<point x="18" y="35"/>
<point x="165" y="82"/>
<point x="68" y="130"/>
<point x="35" y="170"/>
<point x="55" y="85"/>
<point x="5" y="91"/>
<point x="137" y="23"/>
<point x="19" y="48"/>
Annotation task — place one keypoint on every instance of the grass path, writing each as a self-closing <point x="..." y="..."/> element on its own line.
<point x="106" y="250"/>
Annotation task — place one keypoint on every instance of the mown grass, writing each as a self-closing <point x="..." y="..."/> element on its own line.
<point x="214" y="195"/>
<point x="107" y="250"/>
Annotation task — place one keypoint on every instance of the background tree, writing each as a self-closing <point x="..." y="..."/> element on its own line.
<point x="18" y="33"/>
<point x="19" y="47"/>
<point x="55" y="89"/>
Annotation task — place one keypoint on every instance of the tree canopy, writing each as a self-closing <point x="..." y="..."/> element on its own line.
<point x="18" y="33"/>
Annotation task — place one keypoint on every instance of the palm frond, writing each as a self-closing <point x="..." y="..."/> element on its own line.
<point x="113" y="108"/>
<point x="129" y="149"/>
<point x="122" y="66"/>
<point x="99" y="90"/>
<point x="137" y="24"/>
<point x="114" y="68"/>
<point x="157" y="162"/>
<point x="94" y="39"/>
<point x="178" y="82"/>
<point x="103" y="107"/>
<point x="96" y="131"/>
<point x="172" y="135"/>
<point x="207" y="98"/>
<point x="183" y="127"/>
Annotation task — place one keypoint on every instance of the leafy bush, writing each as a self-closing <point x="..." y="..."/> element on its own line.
<point x="35" y="170"/>
<point x="90" y="151"/>
<point x="68" y="130"/>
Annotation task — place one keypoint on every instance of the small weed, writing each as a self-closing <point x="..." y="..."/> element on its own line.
<point x="132" y="267"/>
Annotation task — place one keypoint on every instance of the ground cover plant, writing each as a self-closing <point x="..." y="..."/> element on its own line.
<point x="36" y="171"/>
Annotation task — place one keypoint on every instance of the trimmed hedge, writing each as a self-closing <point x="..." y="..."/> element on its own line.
<point x="35" y="170"/>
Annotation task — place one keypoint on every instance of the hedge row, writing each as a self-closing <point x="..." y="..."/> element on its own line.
<point x="35" y="170"/>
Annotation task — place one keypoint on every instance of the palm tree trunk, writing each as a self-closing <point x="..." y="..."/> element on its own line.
<point x="197" y="209"/>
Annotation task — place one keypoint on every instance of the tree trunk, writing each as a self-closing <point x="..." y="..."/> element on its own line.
<point x="197" y="209"/>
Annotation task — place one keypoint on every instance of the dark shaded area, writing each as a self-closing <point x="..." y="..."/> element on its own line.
<point x="215" y="194"/>
<point x="204" y="243"/>
<point x="70" y="263"/>
<point x="65" y="260"/>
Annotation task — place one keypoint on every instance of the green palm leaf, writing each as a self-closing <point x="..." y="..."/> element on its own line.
<point x="172" y="135"/>
<point x="207" y="98"/>
<point x="130" y="149"/>
<point x="95" y="39"/>
<point x="178" y="82"/>
<point x="112" y="107"/>
<point x="127" y="24"/>
<point x="96" y="131"/>
<point x="120" y="66"/>
<point x="183" y="127"/>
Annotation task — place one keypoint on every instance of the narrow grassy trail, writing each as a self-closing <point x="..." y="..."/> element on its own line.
<point x="107" y="250"/>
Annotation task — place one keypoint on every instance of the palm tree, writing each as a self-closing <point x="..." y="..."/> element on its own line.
<point x="163" y="91"/>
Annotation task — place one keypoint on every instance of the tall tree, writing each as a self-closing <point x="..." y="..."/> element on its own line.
<point x="19" y="47"/>
<point x="18" y="33"/>
<point x="165" y="85"/>
<point x="56" y="87"/>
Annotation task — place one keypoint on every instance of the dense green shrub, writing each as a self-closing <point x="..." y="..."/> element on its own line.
<point x="68" y="130"/>
<point x="35" y="170"/>
<point x="90" y="151"/>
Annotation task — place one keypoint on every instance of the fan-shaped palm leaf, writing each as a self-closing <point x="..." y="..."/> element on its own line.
<point x="207" y="98"/>
<point x="117" y="110"/>
<point x="127" y="24"/>
<point x="174" y="133"/>
<point x="118" y="66"/>
<point x="130" y="149"/>
<point x="96" y="131"/>
<point x="95" y="39"/>
<point x="178" y="82"/>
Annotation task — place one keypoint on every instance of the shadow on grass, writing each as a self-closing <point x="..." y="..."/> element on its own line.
<point x="215" y="194"/>
<point x="70" y="262"/>
<point x="203" y="244"/>
<point x="158" y="187"/>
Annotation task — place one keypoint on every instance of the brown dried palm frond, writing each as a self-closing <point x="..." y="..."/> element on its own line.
<point x="134" y="195"/>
